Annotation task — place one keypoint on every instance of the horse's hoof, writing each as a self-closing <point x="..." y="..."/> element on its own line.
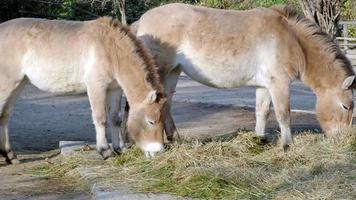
<point x="263" y="139"/>
<point x="173" y="138"/>
<point x="13" y="161"/>
<point x="170" y="139"/>
<point x="11" y="158"/>
<point x="106" y="153"/>
<point x="126" y="147"/>
<point x="122" y="148"/>
<point x="117" y="150"/>
<point x="286" y="147"/>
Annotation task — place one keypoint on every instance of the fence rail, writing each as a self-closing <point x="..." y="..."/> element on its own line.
<point x="347" y="43"/>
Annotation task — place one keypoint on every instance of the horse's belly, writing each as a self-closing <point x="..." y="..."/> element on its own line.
<point x="217" y="71"/>
<point x="54" y="75"/>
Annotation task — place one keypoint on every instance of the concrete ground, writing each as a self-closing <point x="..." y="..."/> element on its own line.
<point x="40" y="120"/>
<point x="204" y="111"/>
<point x="302" y="98"/>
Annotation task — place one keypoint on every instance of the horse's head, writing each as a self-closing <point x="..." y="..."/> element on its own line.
<point x="334" y="107"/>
<point x="145" y="123"/>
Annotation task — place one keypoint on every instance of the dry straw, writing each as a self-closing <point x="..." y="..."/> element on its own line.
<point x="238" y="167"/>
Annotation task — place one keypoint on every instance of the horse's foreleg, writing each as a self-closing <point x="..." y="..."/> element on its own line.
<point x="97" y="96"/>
<point x="170" y="83"/>
<point x="114" y="120"/>
<point x="263" y="107"/>
<point x="280" y="99"/>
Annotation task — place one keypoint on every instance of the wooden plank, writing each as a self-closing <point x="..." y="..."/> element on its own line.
<point x="346" y="38"/>
<point x="351" y="52"/>
<point x="345" y="34"/>
<point x="348" y="22"/>
<point x="352" y="44"/>
<point x="351" y="56"/>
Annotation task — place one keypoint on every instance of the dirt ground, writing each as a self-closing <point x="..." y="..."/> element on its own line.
<point x="18" y="183"/>
<point x="40" y="120"/>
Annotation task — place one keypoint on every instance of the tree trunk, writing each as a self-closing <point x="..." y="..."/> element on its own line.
<point x="120" y="4"/>
<point x="326" y="13"/>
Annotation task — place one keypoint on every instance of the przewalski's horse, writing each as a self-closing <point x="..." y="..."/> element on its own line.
<point x="101" y="57"/>
<point x="264" y="47"/>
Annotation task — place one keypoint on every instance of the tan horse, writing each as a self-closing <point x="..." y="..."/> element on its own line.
<point x="101" y="57"/>
<point x="265" y="47"/>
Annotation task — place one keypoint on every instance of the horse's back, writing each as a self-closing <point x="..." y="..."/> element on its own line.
<point x="51" y="53"/>
<point x="12" y="49"/>
<point x="239" y="46"/>
<point x="33" y="29"/>
<point x="184" y="19"/>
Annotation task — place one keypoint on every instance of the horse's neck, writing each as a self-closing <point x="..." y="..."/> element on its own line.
<point x="320" y="70"/>
<point x="133" y="81"/>
<point x="131" y="64"/>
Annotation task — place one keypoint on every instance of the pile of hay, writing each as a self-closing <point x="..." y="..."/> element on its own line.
<point x="239" y="168"/>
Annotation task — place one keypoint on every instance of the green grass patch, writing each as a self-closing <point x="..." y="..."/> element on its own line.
<point x="40" y="170"/>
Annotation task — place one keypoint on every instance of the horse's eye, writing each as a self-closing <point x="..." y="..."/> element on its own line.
<point x="150" y="121"/>
<point x="345" y="107"/>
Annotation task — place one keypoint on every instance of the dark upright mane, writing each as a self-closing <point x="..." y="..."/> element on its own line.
<point x="150" y="67"/>
<point x="313" y="30"/>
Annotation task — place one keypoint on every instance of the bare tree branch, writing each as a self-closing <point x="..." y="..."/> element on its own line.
<point x="116" y="5"/>
<point x="326" y="13"/>
<point x="122" y="12"/>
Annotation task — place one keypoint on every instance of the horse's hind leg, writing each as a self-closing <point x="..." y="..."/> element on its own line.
<point x="280" y="98"/>
<point x="5" y="148"/>
<point x="124" y="134"/>
<point x="170" y="83"/>
<point x="263" y="107"/>
<point x="8" y="97"/>
<point x="114" y="120"/>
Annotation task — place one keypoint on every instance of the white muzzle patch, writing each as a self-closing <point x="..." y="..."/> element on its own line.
<point x="151" y="149"/>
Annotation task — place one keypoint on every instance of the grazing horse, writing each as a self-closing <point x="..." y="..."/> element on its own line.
<point x="100" y="57"/>
<point x="264" y="47"/>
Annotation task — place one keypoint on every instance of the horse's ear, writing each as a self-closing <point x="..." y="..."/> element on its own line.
<point x="349" y="83"/>
<point x="151" y="97"/>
